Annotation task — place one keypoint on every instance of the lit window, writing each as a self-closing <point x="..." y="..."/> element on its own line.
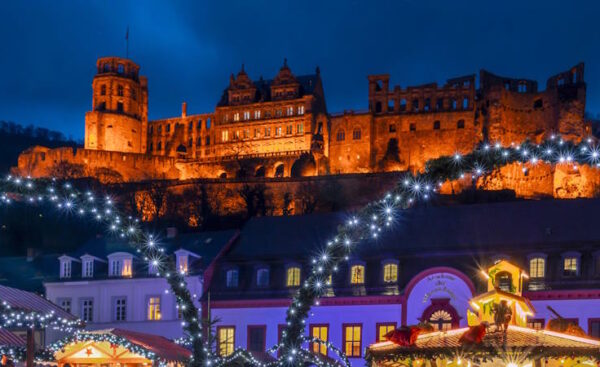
<point x="278" y="131"/>
<point x="225" y="340"/>
<point x="224" y="135"/>
<point x="300" y="110"/>
<point x="257" y="114"/>
<point x="232" y="278"/>
<point x="246" y="115"/>
<point x="293" y="276"/>
<point x="357" y="274"/>
<point x="441" y="320"/>
<point x="356" y="134"/>
<point x="262" y="277"/>
<point x="182" y="264"/>
<point x="87" y="310"/>
<point x="126" y="272"/>
<point x="267" y="131"/>
<point x="236" y="116"/>
<point x="300" y="129"/>
<point x="120" y="309"/>
<point x="537" y="267"/>
<point x="341" y="135"/>
<point x="289" y="130"/>
<point x="320" y="332"/>
<point x="88" y="268"/>
<point x="154" y="308"/>
<point x="352" y="340"/>
<point x="537" y="324"/>
<point x="383" y="330"/>
<point x="390" y="273"/>
<point x="570" y="266"/>
<point x="290" y="111"/>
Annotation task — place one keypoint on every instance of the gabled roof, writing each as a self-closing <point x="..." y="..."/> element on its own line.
<point x="8" y="339"/>
<point x="31" y="302"/>
<point x="263" y="89"/>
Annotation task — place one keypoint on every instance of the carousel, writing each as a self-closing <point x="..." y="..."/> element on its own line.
<point x="497" y="335"/>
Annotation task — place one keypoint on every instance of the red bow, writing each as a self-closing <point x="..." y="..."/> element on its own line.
<point x="474" y="335"/>
<point x="404" y="336"/>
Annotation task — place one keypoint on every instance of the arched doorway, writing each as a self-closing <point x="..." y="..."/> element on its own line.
<point x="260" y="172"/>
<point x="441" y="315"/>
<point x="181" y="151"/>
<point x="279" y="170"/>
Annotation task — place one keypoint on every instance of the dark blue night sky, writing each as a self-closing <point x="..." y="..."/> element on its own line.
<point x="188" y="49"/>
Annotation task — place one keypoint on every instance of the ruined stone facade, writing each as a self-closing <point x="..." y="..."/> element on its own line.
<point x="281" y="128"/>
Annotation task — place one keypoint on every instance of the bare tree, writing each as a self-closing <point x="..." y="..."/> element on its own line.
<point x="307" y="194"/>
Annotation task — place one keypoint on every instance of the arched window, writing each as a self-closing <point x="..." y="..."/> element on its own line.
<point x="279" y="170"/>
<point x="341" y="135"/>
<point x="460" y="124"/>
<point x="293" y="276"/>
<point x="537" y="267"/>
<point x="390" y="273"/>
<point x="262" y="277"/>
<point x="441" y="320"/>
<point x="106" y="68"/>
<point x="356" y="134"/>
<point x="357" y="274"/>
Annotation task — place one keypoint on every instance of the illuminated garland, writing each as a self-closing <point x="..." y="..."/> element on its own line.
<point x="371" y="220"/>
<point x="11" y="317"/>
<point x="367" y="223"/>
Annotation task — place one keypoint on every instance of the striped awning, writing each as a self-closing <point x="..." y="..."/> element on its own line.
<point x="8" y="339"/>
<point x="31" y="302"/>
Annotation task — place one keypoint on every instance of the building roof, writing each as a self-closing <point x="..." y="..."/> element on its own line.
<point x="263" y="89"/>
<point x="27" y="273"/>
<point x="458" y="236"/>
<point x="31" y="302"/>
<point x="544" y="343"/>
<point x="8" y="339"/>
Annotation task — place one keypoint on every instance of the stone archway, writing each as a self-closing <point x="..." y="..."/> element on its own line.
<point x="441" y="314"/>
<point x="304" y="166"/>
<point x="260" y="171"/>
<point x="279" y="170"/>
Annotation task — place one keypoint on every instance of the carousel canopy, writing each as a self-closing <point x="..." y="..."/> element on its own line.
<point x="537" y="343"/>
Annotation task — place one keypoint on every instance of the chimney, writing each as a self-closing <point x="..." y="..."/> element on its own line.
<point x="171" y="232"/>
<point x="184" y="109"/>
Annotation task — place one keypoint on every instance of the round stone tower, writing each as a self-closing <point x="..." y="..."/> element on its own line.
<point x="119" y="117"/>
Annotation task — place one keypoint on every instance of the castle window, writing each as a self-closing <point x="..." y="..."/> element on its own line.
<point x="120" y="69"/>
<point x="159" y="146"/>
<point x="453" y="103"/>
<point x="293" y="276"/>
<point x="236" y="135"/>
<point x="190" y="142"/>
<point x="289" y="129"/>
<point x="236" y="116"/>
<point x="439" y="104"/>
<point x="300" y="110"/>
<point x="403" y="104"/>
<point x="378" y="107"/>
<point x="119" y="106"/>
<point x="538" y="103"/>
<point x="246" y="115"/>
<point x="279" y="170"/>
<point x="199" y="125"/>
<point x="267" y="131"/>
<point x="465" y="103"/>
<point x="88" y="268"/>
<point x="278" y="131"/>
<point x="300" y="128"/>
<point x="267" y="114"/>
<point x="290" y="111"/>
<point x="278" y="113"/>
<point x="190" y="126"/>
<point x="65" y="268"/>
<point x="106" y="67"/>
<point x="159" y="129"/>
<point x="392" y="128"/>
<point x="390" y="272"/>
<point x="207" y="140"/>
<point x="427" y="105"/>
<point x="415" y="105"/>
<point x="341" y="135"/>
<point x="356" y="134"/>
<point x="256" y="133"/>
<point x="168" y="127"/>
<point x="436" y="125"/>
<point x="103" y="90"/>
<point x="150" y="147"/>
<point x="101" y="106"/>
<point x="208" y="123"/>
<point x="246" y="134"/>
<point x="257" y="115"/>
<point x="262" y="277"/>
<point x="199" y="141"/>
<point x="390" y="106"/>
<point x="357" y="274"/>
<point x="133" y="94"/>
<point x="537" y="267"/>
<point x="412" y="126"/>
<point x="120" y="90"/>
<point x="460" y="124"/>
<point x="151" y="129"/>
<point x="522" y="88"/>
<point x="231" y="278"/>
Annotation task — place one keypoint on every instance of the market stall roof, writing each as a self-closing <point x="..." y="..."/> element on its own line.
<point x="31" y="302"/>
<point x="544" y="343"/>
<point x="162" y="347"/>
<point x="8" y="339"/>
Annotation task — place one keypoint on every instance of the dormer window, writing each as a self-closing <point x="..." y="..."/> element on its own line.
<point x="571" y="264"/>
<point x="88" y="268"/>
<point x="182" y="260"/>
<point x="357" y="274"/>
<point x="390" y="272"/>
<point x="120" y="265"/>
<point x="537" y="267"/>
<point x="65" y="269"/>
<point x="293" y="276"/>
<point x="262" y="277"/>
<point x="231" y="278"/>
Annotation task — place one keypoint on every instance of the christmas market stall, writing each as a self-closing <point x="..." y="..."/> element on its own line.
<point x="117" y="347"/>
<point x="497" y="335"/>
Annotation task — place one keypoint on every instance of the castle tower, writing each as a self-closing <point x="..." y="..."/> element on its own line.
<point x="119" y="117"/>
